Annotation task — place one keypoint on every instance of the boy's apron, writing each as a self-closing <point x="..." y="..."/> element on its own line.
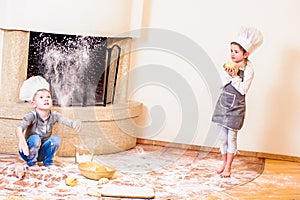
<point x="231" y="107"/>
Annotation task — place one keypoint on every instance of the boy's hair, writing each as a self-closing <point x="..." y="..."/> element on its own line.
<point x="39" y="90"/>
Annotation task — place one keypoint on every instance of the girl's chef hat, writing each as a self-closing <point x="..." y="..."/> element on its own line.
<point x="249" y="38"/>
<point x="31" y="85"/>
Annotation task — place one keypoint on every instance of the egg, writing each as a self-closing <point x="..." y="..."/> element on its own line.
<point x="103" y="181"/>
<point x="71" y="181"/>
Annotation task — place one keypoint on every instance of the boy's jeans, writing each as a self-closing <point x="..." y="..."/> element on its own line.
<point x="41" y="151"/>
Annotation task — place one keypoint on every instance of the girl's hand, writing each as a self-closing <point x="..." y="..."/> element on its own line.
<point x="77" y="125"/>
<point x="233" y="72"/>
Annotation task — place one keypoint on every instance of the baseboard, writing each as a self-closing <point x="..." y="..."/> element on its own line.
<point x="215" y="149"/>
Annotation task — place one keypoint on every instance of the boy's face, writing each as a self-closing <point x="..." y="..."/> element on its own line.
<point x="42" y="100"/>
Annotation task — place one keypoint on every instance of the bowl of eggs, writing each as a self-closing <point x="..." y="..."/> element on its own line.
<point x="95" y="170"/>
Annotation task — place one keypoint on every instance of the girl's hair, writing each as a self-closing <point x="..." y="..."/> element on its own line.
<point x="244" y="51"/>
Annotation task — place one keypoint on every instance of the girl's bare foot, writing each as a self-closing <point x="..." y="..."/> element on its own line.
<point x="219" y="171"/>
<point x="225" y="174"/>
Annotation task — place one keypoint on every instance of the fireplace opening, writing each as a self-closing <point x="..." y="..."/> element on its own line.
<point x="81" y="70"/>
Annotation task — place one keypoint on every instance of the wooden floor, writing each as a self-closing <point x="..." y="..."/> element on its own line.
<point x="279" y="180"/>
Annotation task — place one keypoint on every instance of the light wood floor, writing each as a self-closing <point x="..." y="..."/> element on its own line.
<point x="279" y="180"/>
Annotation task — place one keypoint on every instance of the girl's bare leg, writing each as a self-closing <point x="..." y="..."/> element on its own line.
<point x="227" y="170"/>
<point x="224" y="158"/>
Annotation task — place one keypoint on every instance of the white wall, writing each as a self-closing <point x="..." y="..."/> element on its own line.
<point x="272" y="120"/>
<point x="80" y="17"/>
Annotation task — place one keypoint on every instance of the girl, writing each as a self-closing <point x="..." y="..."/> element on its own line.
<point x="230" y="109"/>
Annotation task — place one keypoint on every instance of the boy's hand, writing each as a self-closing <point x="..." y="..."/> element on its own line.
<point x="23" y="147"/>
<point x="77" y="125"/>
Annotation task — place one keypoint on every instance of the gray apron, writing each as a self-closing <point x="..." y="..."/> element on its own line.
<point x="230" y="109"/>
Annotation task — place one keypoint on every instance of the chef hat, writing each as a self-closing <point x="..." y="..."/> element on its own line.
<point x="31" y="86"/>
<point x="249" y="38"/>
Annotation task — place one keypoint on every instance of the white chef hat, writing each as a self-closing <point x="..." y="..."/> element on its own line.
<point x="249" y="38"/>
<point x="31" y="86"/>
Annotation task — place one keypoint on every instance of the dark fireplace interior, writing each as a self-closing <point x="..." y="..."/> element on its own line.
<point x="81" y="70"/>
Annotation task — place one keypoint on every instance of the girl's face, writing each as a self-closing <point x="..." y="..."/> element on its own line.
<point x="237" y="54"/>
<point x="42" y="100"/>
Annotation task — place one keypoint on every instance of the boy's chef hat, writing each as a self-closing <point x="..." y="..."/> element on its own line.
<point x="249" y="38"/>
<point x="31" y="85"/>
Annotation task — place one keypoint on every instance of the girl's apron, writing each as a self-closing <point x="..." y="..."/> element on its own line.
<point x="231" y="107"/>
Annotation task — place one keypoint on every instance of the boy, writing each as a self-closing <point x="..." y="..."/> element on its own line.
<point x="34" y="133"/>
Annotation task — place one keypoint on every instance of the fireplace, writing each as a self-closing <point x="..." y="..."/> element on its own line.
<point x="81" y="70"/>
<point x="113" y="125"/>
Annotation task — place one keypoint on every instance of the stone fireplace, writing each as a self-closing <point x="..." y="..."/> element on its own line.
<point x="107" y="129"/>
